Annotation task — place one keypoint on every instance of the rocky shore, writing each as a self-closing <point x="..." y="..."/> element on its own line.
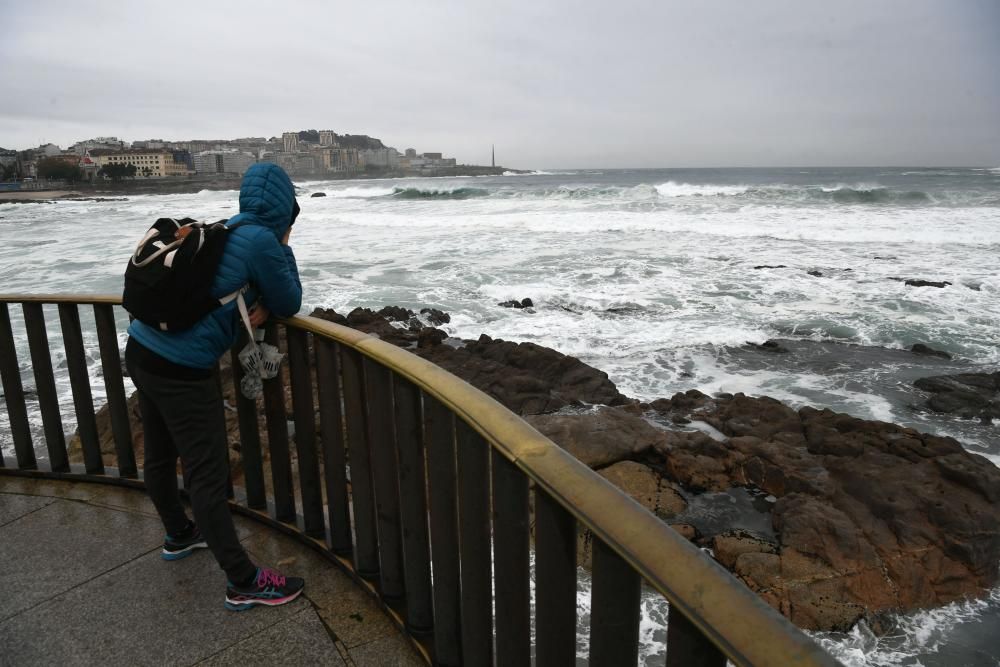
<point x="829" y="518"/>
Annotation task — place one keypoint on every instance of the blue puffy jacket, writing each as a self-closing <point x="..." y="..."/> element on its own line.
<point x="253" y="255"/>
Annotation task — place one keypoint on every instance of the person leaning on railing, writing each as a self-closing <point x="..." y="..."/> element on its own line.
<point x="180" y="402"/>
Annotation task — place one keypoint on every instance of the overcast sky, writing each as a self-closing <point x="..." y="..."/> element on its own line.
<point x="553" y="84"/>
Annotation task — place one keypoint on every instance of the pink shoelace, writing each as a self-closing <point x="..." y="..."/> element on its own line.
<point x="269" y="577"/>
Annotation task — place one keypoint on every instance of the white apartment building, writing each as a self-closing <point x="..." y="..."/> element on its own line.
<point x="223" y="162"/>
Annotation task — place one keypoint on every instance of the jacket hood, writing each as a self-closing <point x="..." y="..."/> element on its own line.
<point x="267" y="198"/>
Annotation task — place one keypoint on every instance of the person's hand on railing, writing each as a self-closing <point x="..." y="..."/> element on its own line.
<point x="258" y="315"/>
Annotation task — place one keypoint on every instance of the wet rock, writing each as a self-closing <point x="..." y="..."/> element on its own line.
<point x="601" y="438"/>
<point x="920" y="348"/>
<point x="728" y="547"/>
<point x="318" y="194"/>
<point x="523" y="303"/>
<point x="770" y="346"/>
<point x="966" y="395"/>
<point x="770" y="266"/>
<point x="435" y="316"/>
<point x="926" y="283"/>
<point x="818" y="274"/>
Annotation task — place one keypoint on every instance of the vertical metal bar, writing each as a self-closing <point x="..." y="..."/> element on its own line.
<point x="413" y="509"/>
<point x="246" y="412"/>
<point x="13" y="393"/>
<point x="362" y="494"/>
<point x="555" y="582"/>
<point x="300" y="378"/>
<point x="440" y="428"/>
<point x="83" y="401"/>
<point x="614" y="609"/>
<point x="217" y="373"/>
<point x="114" y="388"/>
<point x="511" y="563"/>
<point x="277" y="440"/>
<point x="45" y="384"/>
<point x="381" y="434"/>
<point x="473" y="455"/>
<point x="687" y="647"/>
<point x="331" y="420"/>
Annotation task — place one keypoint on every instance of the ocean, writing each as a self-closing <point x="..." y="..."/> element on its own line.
<point x="658" y="277"/>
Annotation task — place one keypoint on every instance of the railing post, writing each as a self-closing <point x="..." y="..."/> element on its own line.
<point x="45" y="385"/>
<point x="440" y="428"/>
<point x="381" y="435"/>
<point x="277" y="440"/>
<point x="305" y="432"/>
<point x="362" y="494"/>
<point x="686" y="646"/>
<point x="511" y="563"/>
<point x="614" y="609"/>
<point x="331" y="419"/>
<point x="250" y="455"/>
<point x="473" y="455"/>
<point x="13" y="393"/>
<point x="555" y="582"/>
<point x="413" y="506"/>
<point x="83" y="401"/>
<point x="114" y="389"/>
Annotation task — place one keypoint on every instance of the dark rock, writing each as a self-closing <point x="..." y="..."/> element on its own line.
<point x="523" y="303"/>
<point x="926" y="283"/>
<point x="396" y="314"/>
<point x="318" y="194"/>
<point x="429" y="337"/>
<point x="967" y="395"/>
<point x="527" y="378"/>
<point x="818" y="274"/>
<point x="886" y="257"/>
<point x="769" y="266"/>
<point x="602" y="438"/>
<point x="770" y="346"/>
<point x="920" y="348"/>
<point x="435" y="316"/>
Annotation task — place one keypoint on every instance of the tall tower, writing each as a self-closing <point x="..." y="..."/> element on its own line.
<point x="290" y="141"/>
<point x="493" y="150"/>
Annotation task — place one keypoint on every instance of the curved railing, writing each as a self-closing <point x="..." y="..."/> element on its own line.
<point x="408" y="470"/>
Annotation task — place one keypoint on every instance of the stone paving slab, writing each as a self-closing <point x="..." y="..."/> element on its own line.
<point x="14" y="506"/>
<point x="63" y="545"/>
<point x="339" y="601"/>
<point x="299" y="640"/>
<point x="385" y="652"/>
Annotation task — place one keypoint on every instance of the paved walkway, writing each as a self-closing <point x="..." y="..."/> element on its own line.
<point x="83" y="583"/>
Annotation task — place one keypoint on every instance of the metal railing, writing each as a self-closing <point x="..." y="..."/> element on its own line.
<point x="408" y="470"/>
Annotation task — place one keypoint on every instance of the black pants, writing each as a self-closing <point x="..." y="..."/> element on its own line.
<point x="183" y="417"/>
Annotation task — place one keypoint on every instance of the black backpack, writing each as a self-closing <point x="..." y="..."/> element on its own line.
<point x="168" y="280"/>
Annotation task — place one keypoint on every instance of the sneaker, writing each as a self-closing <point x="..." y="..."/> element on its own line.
<point x="268" y="588"/>
<point x="180" y="546"/>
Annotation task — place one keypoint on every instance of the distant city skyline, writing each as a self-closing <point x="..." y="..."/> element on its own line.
<point x="563" y="85"/>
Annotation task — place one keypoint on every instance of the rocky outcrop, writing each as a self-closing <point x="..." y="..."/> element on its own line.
<point x="967" y="395"/>
<point x="523" y="303"/>
<point x="526" y="378"/>
<point x="870" y="516"/>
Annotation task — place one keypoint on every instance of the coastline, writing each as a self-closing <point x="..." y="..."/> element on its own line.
<point x="194" y="185"/>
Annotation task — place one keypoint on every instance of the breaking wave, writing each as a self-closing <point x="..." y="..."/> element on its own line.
<point x="436" y="193"/>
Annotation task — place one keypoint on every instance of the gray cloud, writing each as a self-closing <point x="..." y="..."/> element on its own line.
<point x="557" y="84"/>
